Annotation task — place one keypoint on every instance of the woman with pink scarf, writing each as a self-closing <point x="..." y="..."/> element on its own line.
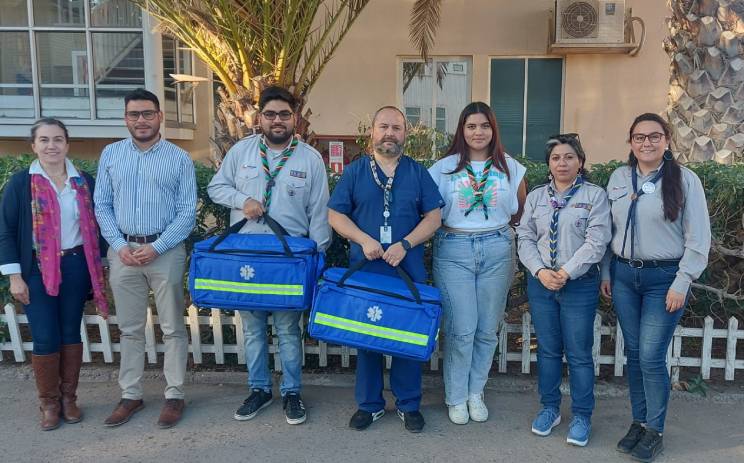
<point x="50" y="248"/>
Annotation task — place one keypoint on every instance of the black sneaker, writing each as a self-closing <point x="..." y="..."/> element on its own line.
<point x="632" y="437"/>
<point x="649" y="447"/>
<point x="294" y="409"/>
<point x="361" y="419"/>
<point x="257" y="401"/>
<point x="414" y="421"/>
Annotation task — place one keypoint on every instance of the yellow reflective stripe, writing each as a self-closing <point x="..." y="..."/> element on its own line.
<point x="354" y="326"/>
<point x="248" y="288"/>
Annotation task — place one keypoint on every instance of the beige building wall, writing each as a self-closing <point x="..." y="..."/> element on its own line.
<point x="602" y="93"/>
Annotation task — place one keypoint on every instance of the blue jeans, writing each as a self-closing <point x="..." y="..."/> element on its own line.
<point x="473" y="273"/>
<point x="564" y="323"/>
<point x="639" y="298"/>
<point x="255" y="328"/>
<point x="55" y="320"/>
<point x="405" y="381"/>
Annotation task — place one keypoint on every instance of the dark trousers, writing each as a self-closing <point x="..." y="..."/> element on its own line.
<point x="55" y="320"/>
<point x="405" y="381"/>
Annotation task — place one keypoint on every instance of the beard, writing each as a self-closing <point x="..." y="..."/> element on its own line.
<point x="388" y="152"/>
<point x="278" y="138"/>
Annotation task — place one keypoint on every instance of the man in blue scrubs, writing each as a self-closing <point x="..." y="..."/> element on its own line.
<point x="387" y="205"/>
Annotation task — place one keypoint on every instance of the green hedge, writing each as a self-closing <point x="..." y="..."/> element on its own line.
<point x="724" y="187"/>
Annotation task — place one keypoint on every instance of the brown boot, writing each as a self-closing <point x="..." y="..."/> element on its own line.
<point x="71" y="358"/>
<point x="46" y="371"/>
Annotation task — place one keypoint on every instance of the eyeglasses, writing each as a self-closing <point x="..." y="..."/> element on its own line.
<point x="654" y="137"/>
<point x="135" y="115"/>
<point x="283" y="115"/>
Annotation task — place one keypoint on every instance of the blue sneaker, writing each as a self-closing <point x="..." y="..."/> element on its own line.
<point x="579" y="430"/>
<point x="546" y="420"/>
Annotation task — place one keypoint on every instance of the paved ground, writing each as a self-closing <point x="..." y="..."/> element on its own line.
<point x="698" y="430"/>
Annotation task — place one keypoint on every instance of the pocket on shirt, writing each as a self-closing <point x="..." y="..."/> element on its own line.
<point x="578" y="217"/>
<point x="295" y="189"/>
<point x="247" y="182"/>
<point x="617" y="193"/>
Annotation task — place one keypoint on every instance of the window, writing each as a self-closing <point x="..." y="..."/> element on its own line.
<point x="433" y="90"/>
<point x="413" y="115"/>
<point x="179" y="96"/>
<point x="526" y="95"/>
<point x="441" y="119"/>
<point x="72" y="59"/>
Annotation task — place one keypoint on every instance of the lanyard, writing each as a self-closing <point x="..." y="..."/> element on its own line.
<point x="630" y="222"/>
<point x="557" y="205"/>
<point x="477" y="185"/>
<point x="268" y="173"/>
<point x="387" y="188"/>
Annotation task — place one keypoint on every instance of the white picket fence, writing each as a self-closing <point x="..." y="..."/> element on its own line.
<point x="525" y="356"/>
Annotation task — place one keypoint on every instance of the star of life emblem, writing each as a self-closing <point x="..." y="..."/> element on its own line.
<point x="247" y="272"/>
<point x="374" y="313"/>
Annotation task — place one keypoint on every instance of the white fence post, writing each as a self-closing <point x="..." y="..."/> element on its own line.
<point x="731" y="338"/>
<point x="150" y="347"/>
<point x="619" y="350"/>
<point x="193" y="321"/>
<point x="596" y="346"/>
<point x="705" y="355"/>
<point x="219" y="345"/>
<point x="15" y="333"/>
<point x="526" y="341"/>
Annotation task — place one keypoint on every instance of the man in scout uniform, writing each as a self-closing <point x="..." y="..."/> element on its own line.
<point x="387" y="205"/>
<point x="274" y="173"/>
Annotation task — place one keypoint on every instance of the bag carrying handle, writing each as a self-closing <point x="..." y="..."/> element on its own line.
<point x="276" y="228"/>
<point x="401" y="273"/>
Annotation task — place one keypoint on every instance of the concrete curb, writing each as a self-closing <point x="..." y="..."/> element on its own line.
<point x="499" y="383"/>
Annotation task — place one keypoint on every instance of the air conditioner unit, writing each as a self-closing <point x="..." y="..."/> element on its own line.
<point x="589" y="21"/>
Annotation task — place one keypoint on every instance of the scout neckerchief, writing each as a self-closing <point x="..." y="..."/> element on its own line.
<point x="647" y="188"/>
<point x="557" y="204"/>
<point x="477" y="184"/>
<point x="268" y="173"/>
<point x="387" y="191"/>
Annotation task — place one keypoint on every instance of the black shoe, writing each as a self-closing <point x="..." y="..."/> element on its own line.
<point x="414" y="421"/>
<point x="294" y="409"/>
<point x="632" y="437"/>
<point x="649" y="447"/>
<point x="361" y="419"/>
<point x="257" y="401"/>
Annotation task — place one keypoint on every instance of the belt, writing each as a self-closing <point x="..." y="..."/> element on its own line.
<point x="141" y="239"/>
<point x="639" y="263"/>
<point x="68" y="252"/>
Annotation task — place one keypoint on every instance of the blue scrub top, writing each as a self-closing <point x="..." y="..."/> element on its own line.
<point x="414" y="193"/>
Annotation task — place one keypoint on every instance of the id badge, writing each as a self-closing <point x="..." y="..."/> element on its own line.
<point x="386" y="234"/>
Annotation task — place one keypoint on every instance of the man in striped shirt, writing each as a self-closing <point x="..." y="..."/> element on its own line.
<point x="145" y="202"/>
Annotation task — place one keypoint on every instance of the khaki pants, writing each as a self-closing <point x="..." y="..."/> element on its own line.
<point x="131" y="285"/>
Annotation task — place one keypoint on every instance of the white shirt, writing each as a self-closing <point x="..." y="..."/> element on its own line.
<point x="69" y="213"/>
<point x="499" y="194"/>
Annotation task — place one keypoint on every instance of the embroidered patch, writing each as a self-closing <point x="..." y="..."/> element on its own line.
<point x="586" y="206"/>
<point x="298" y="173"/>
<point x="580" y="223"/>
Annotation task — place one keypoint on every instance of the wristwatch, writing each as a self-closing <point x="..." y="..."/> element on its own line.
<point x="406" y="244"/>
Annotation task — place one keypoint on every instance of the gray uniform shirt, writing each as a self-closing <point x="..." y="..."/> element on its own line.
<point x="299" y="198"/>
<point x="584" y="230"/>
<point x="687" y="238"/>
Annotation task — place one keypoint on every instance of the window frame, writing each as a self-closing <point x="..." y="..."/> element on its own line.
<point x="179" y="123"/>
<point x="525" y="96"/>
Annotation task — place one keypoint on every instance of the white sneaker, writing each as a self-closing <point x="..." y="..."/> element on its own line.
<point x="477" y="408"/>
<point x="458" y="414"/>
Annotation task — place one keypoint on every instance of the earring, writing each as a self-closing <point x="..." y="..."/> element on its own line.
<point x="668" y="155"/>
<point x="550" y="177"/>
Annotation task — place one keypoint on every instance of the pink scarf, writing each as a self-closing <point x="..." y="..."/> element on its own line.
<point x="48" y="235"/>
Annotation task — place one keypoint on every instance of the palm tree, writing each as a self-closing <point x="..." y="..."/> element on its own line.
<point x="250" y="44"/>
<point x="706" y="96"/>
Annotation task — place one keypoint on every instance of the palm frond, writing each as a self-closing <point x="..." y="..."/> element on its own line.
<point x="423" y="25"/>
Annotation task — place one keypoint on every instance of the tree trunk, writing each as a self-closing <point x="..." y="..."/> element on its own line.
<point x="706" y="98"/>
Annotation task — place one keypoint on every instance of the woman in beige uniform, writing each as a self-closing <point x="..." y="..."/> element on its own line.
<point x="660" y="243"/>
